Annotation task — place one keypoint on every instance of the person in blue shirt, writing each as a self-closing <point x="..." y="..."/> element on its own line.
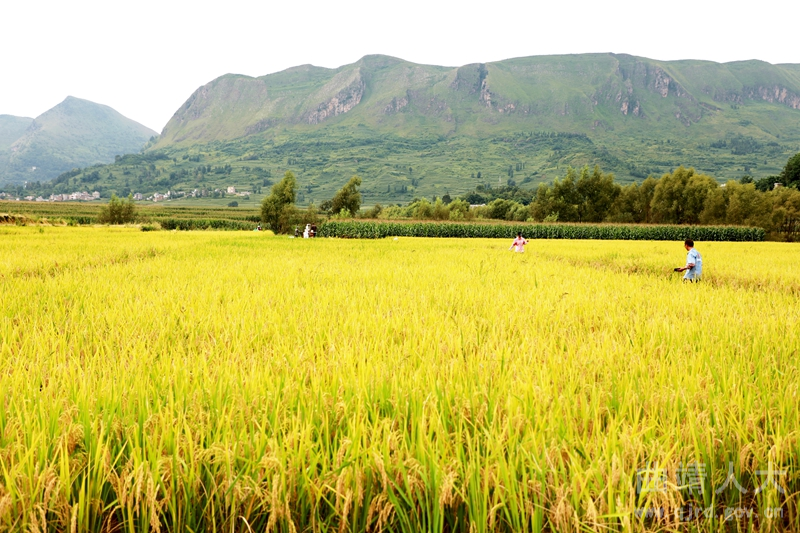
<point x="694" y="263"/>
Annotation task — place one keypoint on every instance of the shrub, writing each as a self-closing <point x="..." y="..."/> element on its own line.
<point x="118" y="211"/>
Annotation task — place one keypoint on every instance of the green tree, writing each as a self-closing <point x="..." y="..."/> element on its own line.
<point x="374" y="211"/>
<point x="118" y="211"/>
<point x="738" y="204"/>
<point x="347" y="198"/>
<point x="633" y="202"/>
<point x="679" y="197"/>
<point x="565" y="198"/>
<point x="746" y="206"/>
<point x="767" y="183"/>
<point x="790" y="176"/>
<point x="421" y="209"/>
<point x="440" y="210"/>
<point x="277" y="209"/>
<point x="459" y="209"/>
<point x="501" y="209"/>
<point x="310" y="215"/>
<point x="785" y="217"/>
<point x="597" y="192"/>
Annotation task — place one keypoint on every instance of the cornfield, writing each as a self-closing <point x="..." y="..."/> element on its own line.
<point x="231" y="381"/>
<point x="189" y="224"/>
<point x="663" y="232"/>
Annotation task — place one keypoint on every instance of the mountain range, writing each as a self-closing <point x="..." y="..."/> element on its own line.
<point x="421" y="130"/>
<point x="591" y="94"/>
<point x="74" y="133"/>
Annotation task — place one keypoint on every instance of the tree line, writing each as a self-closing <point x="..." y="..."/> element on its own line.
<point x="683" y="196"/>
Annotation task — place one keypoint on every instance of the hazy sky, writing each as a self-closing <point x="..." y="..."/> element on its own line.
<point x="145" y="58"/>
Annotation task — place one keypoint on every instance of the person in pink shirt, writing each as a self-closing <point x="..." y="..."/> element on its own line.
<point x="519" y="244"/>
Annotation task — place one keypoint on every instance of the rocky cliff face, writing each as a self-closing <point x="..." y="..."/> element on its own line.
<point x="773" y="94"/>
<point x="396" y="105"/>
<point x="344" y="100"/>
<point x="635" y="80"/>
<point x="644" y="74"/>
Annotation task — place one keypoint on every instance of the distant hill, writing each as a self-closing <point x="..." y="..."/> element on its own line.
<point x="419" y="130"/>
<point x="11" y="129"/>
<point x="75" y="133"/>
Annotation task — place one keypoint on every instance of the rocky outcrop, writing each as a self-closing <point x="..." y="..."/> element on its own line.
<point x="624" y="88"/>
<point x="486" y="95"/>
<point x="395" y="105"/>
<point x="261" y="125"/>
<point x="634" y="108"/>
<point x="651" y="77"/>
<point x="660" y="82"/>
<point x="344" y="101"/>
<point x="773" y="94"/>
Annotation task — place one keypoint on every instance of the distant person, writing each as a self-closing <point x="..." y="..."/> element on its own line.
<point x="258" y="228"/>
<point x="296" y="232"/>
<point x="519" y="244"/>
<point x="694" y="263"/>
<point x="313" y="230"/>
<point x="307" y="231"/>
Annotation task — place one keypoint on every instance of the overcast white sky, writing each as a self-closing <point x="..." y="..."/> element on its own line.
<point x="144" y="58"/>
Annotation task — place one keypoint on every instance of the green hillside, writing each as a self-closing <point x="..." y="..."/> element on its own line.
<point x="75" y="133"/>
<point x="418" y="130"/>
<point x="11" y="129"/>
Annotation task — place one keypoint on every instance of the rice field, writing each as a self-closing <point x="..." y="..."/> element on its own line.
<point x="231" y="381"/>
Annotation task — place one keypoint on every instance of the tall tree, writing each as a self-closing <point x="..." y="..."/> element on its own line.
<point x="277" y="209"/>
<point x="565" y="199"/>
<point x="597" y="192"/>
<point x="347" y="198"/>
<point x="679" y="197"/>
<point x="791" y="172"/>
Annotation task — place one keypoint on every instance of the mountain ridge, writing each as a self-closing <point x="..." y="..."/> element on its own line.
<point x="581" y="91"/>
<point x="74" y="133"/>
